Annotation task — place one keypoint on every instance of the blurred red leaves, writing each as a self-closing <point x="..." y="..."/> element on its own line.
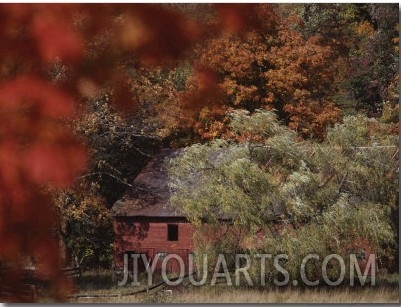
<point x="156" y="34"/>
<point x="36" y="147"/>
<point x="55" y="39"/>
<point x="234" y="18"/>
<point x="41" y="32"/>
<point x="29" y="90"/>
<point x="57" y="164"/>
<point x="31" y="113"/>
<point x="203" y="91"/>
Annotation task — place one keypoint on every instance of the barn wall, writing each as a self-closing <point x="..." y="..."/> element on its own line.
<point x="149" y="236"/>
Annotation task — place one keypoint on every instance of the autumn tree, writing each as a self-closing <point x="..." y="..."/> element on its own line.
<point x="157" y="92"/>
<point x="365" y="36"/>
<point x="298" y="62"/>
<point x="85" y="226"/>
<point x="272" y="67"/>
<point x="301" y="84"/>
<point x="117" y="151"/>
<point x="375" y="69"/>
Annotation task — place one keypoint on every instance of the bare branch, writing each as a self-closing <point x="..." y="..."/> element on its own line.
<point x="108" y="174"/>
<point x="342" y="182"/>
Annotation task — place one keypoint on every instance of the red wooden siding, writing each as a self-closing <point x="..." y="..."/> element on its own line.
<point x="150" y="236"/>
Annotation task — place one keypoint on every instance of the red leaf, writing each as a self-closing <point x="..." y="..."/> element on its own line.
<point x="55" y="37"/>
<point x="157" y="34"/>
<point x="236" y="17"/>
<point x="58" y="164"/>
<point x="29" y="90"/>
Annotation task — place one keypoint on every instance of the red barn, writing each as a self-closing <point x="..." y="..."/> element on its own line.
<point x="143" y="224"/>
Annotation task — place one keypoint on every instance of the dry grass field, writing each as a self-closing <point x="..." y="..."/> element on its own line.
<point x="98" y="286"/>
<point x="380" y="295"/>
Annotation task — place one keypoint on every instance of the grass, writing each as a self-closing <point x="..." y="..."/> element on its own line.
<point x="202" y="295"/>
<point x="102" y="283"/>
<point x="291" y="295"/>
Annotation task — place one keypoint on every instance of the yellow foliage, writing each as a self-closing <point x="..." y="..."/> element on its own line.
<point x="364" y="28"/>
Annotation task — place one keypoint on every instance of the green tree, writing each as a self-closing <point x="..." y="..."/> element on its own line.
<point x="328" y="196"/>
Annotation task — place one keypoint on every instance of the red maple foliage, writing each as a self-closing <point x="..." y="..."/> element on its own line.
<point x="53" y="56"/>
<point x="271" y="66"/>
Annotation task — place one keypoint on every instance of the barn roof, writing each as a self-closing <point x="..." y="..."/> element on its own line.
<point x="149" y="194"/>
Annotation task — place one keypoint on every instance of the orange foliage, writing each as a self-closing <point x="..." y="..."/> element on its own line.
<point x="274" y="68"/>
<point x="212" y="123"/>
<point x="301" y="81"/>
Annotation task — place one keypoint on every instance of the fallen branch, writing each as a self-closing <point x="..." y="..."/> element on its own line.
<point x="120" y="294"/>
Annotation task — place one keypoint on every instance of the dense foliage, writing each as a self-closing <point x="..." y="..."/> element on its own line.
<point x="89" y="92"/>
<point x="329" y="196"/>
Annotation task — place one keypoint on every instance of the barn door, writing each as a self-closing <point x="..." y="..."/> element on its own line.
<point x="174" y="265"/>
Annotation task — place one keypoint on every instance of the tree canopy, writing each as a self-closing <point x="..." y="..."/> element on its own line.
<point x="333" y="195"/>
<point x="278" y="101"/>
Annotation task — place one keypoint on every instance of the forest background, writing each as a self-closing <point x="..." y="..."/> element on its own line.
<point x="89" y="92"/>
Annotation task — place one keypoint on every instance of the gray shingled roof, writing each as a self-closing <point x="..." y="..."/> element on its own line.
<point x="149" y="193"/>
